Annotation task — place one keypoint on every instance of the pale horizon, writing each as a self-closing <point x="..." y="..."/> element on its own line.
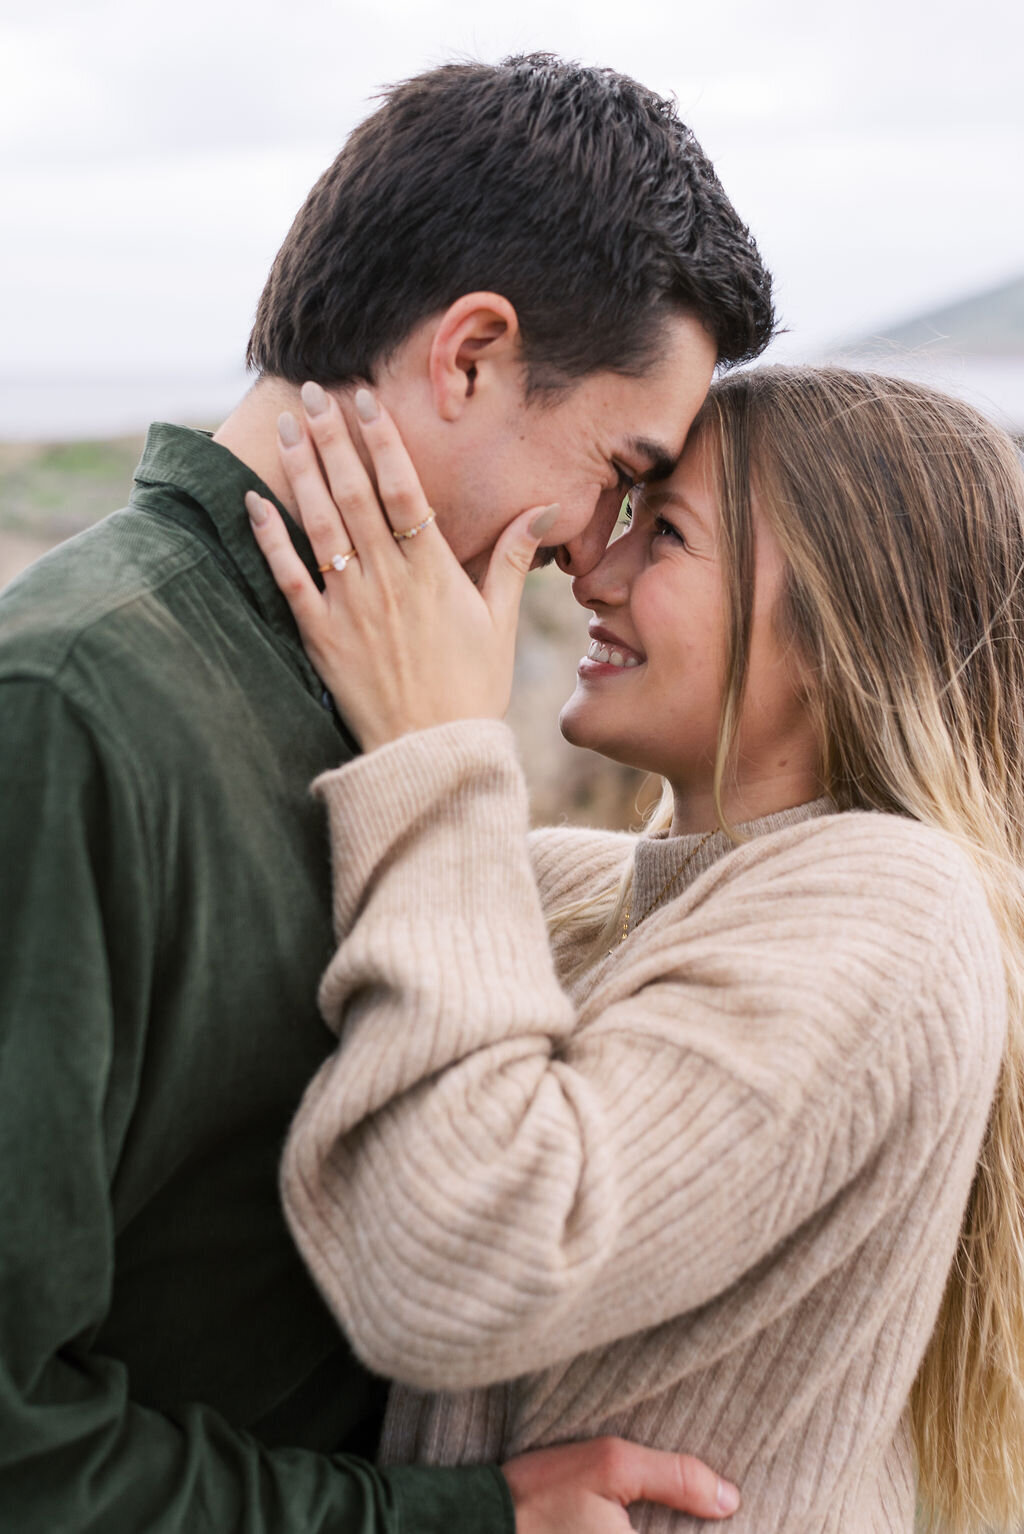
<point x="151" y="162"/>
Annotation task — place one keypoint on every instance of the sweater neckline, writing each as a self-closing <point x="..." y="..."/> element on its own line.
<point x="657" y="858"/>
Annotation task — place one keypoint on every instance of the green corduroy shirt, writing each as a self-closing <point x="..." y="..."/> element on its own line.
<point x="166" y="1365"/>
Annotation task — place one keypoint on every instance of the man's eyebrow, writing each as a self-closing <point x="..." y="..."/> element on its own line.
<point x="659" y="461"/>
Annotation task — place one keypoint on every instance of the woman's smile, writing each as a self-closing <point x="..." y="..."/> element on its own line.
<point x="608" y="654"/>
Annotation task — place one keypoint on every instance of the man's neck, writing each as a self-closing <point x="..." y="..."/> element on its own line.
<point x="250" y="431"/>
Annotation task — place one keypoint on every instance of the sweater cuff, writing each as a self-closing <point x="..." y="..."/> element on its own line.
<point x="376" y="801"/>
<point x="403" y="777"/>
<point x="468" y="1500"/>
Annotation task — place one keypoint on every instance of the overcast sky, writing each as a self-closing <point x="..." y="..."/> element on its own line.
<point x="152" y="155"/>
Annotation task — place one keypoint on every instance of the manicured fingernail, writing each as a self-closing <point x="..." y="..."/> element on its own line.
<point x="366" y="405"/>
<point x="728" y="1497"/>
<point x="256" y="508"/>
<point x="288" y="429"/>
<point x="314" y="398"/>
<point x="544" y="520"/>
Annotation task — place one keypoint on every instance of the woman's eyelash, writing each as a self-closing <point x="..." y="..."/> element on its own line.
<point x="659" y="526"/>
<point x="663" y="528"/>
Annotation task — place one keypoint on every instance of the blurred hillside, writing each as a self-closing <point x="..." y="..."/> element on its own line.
<point x="989" y="323"/>
<point x="49" y="491"/>
<point x="973" y="348"/>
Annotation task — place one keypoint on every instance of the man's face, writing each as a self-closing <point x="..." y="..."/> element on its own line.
<point x="583" y="451"/>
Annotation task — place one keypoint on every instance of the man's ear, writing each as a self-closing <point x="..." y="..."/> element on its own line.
<point x="476" y="345"/>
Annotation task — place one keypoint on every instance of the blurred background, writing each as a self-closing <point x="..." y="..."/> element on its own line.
<point x="152" y="158"/>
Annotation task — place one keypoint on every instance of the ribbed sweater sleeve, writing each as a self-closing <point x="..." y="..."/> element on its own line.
<point x="486" y="1178"/>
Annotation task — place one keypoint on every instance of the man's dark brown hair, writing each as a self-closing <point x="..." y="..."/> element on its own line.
<point x="574" y="192"/>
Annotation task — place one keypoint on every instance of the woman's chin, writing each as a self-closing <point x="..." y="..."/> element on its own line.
<point x="584" y="724"/>
<point x="580" y="723"/>
<point x="572" y="721"/>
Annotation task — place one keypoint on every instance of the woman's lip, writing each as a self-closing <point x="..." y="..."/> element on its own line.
<point x="610" y="641"/>
<point x="596" y="668"/>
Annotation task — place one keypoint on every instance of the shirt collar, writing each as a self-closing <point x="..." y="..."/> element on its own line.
<point x="183" y="474"/>
<point x="207" y="486"/>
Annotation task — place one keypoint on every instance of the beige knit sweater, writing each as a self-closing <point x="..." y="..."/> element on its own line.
<point x="709" y="1198"/>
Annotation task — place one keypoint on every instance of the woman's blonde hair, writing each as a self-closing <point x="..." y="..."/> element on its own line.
<point x="900" y="516"/>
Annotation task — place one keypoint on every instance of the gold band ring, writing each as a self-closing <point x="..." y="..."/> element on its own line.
<point x="414" y="532"/>
<point x="338" y="562"/>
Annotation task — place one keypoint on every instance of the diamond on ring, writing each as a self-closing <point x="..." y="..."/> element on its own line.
<point x="337" y="562"/>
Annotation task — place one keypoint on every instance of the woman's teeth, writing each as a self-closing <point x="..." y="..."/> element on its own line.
<point x="606" y="657"/>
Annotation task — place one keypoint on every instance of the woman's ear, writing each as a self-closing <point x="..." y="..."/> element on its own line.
<point x="476" y="347"/>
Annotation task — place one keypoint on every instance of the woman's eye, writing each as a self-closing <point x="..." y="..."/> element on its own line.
<point x="666" y="530"/>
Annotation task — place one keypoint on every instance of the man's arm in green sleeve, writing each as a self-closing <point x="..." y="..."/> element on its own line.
<point x="76" y="1453"/>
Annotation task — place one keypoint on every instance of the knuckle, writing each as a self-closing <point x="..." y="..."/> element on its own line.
<point x="346" y="495"/>
<point x="305" y="477"/>
<point x="323" y="427"/>
<point x="400" y="501"/>
<point x="684" y="1472"/>
<point x="393" y="482"/>
<point x="319" y="524"/>
<point x="611" y="1454"/>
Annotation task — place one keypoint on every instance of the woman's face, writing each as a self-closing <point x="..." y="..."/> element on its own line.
<point x="659" y="605"/>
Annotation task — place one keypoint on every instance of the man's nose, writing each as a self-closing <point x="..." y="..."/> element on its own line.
<point x="608" y="583"/>
<point x="580" y="554"/>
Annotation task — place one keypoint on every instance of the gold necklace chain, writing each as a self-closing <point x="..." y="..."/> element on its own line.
<point x="666" y="886"/>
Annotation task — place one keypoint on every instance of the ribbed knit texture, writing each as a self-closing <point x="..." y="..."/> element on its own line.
<point x="709" y="1199"/>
